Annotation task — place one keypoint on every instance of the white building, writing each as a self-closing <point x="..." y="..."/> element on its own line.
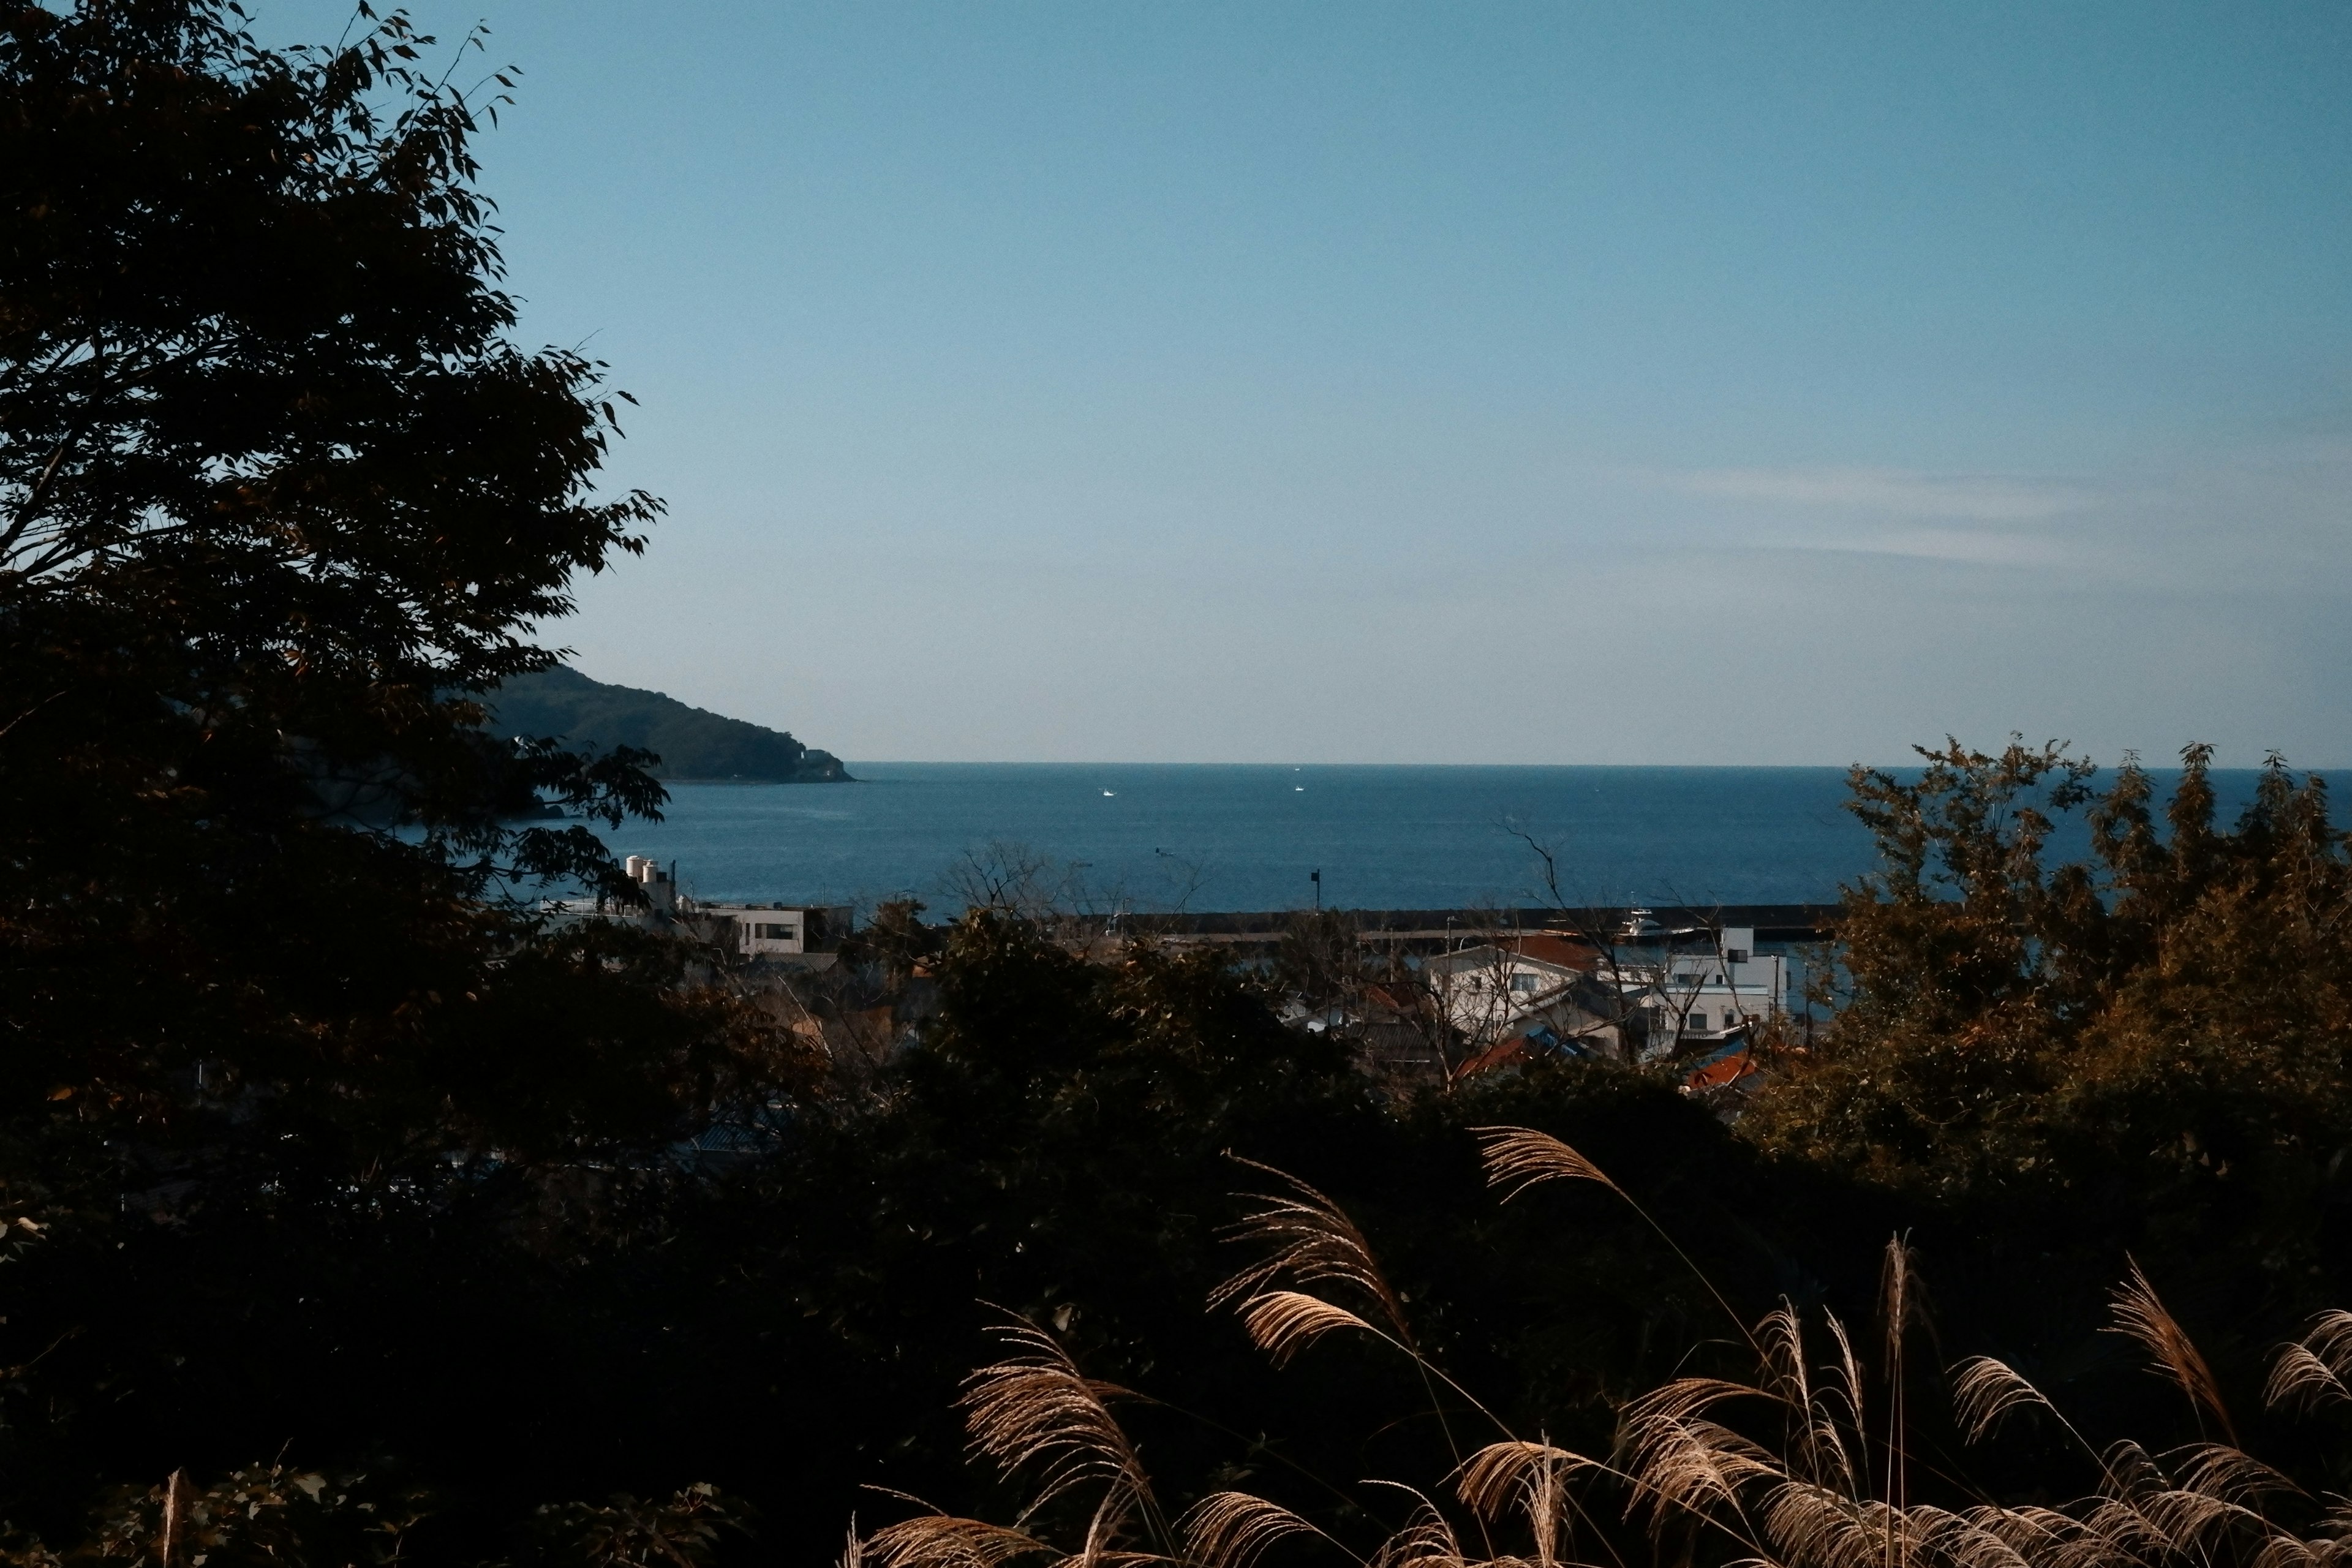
<point x="780" y="930"/>
<point x="751" y="931"/>
<point x="660" y="884"/>
<point x="1495" y="990"/>
<point x="1690" y="998"/>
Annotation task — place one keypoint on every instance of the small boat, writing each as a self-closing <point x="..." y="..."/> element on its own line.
<point x="1640" y="927"/>
<point x="1108" y="793"/>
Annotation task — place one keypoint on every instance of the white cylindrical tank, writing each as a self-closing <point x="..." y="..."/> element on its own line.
<point x="636" y="866"/>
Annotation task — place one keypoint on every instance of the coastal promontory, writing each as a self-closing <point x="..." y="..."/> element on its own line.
<point x="692" y="742"/>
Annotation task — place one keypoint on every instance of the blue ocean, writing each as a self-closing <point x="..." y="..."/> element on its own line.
<point x="1158" y="838"/>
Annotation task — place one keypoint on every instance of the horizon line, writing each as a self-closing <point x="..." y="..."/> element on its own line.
<point x="2173" y="766"/>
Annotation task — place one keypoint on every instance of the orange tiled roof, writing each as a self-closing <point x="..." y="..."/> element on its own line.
<point x="1553" y="948"/>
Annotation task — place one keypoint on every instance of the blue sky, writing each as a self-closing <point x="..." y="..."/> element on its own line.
<point x="1483" y="383"/>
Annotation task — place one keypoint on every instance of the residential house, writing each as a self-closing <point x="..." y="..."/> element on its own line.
<point x="1534" y="984"/>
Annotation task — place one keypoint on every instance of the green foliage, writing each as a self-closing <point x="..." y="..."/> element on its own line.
<point x="2171" y="1011"/>
<point x="275" y="1516"/>
<point x="2145" y="1055"/>
<point x="272" y="477"/>
<point x="682" y="1532"/>
<point x="690" y="743"/>
<point x="278" y="499"/>
<point x="1320" y="958"/>
<point x="894" y="940"/>
<point x="266" y="1516"/>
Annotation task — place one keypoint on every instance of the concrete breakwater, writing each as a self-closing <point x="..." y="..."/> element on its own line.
<point x="1433" y="930"/>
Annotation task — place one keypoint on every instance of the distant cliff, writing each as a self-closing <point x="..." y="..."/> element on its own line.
<point x="692" y="742"/>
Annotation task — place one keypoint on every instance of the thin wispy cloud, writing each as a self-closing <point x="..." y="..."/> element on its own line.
<point x="1983" y="498"/>
<point x="2273" y="517"/>
<point x="1977" y="547"/>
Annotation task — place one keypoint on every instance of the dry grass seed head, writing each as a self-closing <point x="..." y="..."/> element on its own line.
<point x="2090" y="1550"/>
<point x="1312" y="1240"/>
<point x="1822" y="1413"/>
<point x="1781" y="1338"/>
<point x="1528" y="1479"/>
<point x="2312" y="1371"/>
<point x="943" y="1540"/>
<point x="1826" y="1458"/>
<point x="1820" y="1453"/>
<point x="1988" y="1537"/>
<point x="2127" y="1470"/>
<point x="1103" y="1534"/>
<point x="1984" y="1390"/>
<point x="1816" y="1527"/>
<point x="2284" y="1551"/>
<point x="2302" y="1381"/>
<point x="2027" y="1528"/>
<point x="1902" y="1297"/>
<point x="1284" y="1322"/>
<point x="2218" y="1471"/>
<point x="2141" y="1315"/>
<point x="2113" y="1533"/>
<point x="1426" y="1539"/>
<point x="1942" y="1536"/>
<point x="1233" y="1530"/>
<point x="1846" y="1371"/>
<point x="2192" y="1523"/>
<point x="1521" y="1157"/>
<point x="1691" y="1467"/>
<point x="1679" y="1459"/>
<point x="2007" y="1538"/>
<point x="1686" y="1396"/>
<point x="2330" y="1339"/>
<point x="1036" y="1411"/>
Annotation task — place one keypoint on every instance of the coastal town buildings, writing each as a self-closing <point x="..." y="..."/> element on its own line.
<point x="1420" y="1001"/>
<point x="1515" y="985"/>
<point x="793" y="933"/>
<point x="777" y="930"/>
<point x="1652" y="1002"/>
<point x="1513" y="998"/>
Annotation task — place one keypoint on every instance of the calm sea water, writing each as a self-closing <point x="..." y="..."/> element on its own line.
<point x="1246" y="838"/>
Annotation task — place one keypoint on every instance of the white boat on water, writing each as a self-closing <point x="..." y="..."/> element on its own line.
<point x="1640" y="926"/>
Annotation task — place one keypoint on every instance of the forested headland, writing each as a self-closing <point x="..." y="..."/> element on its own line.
<point x="351" y="1212"/>
<point x="690" y="743"/>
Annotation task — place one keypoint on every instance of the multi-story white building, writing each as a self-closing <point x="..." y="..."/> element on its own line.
<point x="749" y="931"/>
<point x="780" y="930"/>
<point x="1688" y="998"/>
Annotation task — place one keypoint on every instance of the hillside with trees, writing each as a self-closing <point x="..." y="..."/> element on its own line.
<point x="690" y="743"/>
